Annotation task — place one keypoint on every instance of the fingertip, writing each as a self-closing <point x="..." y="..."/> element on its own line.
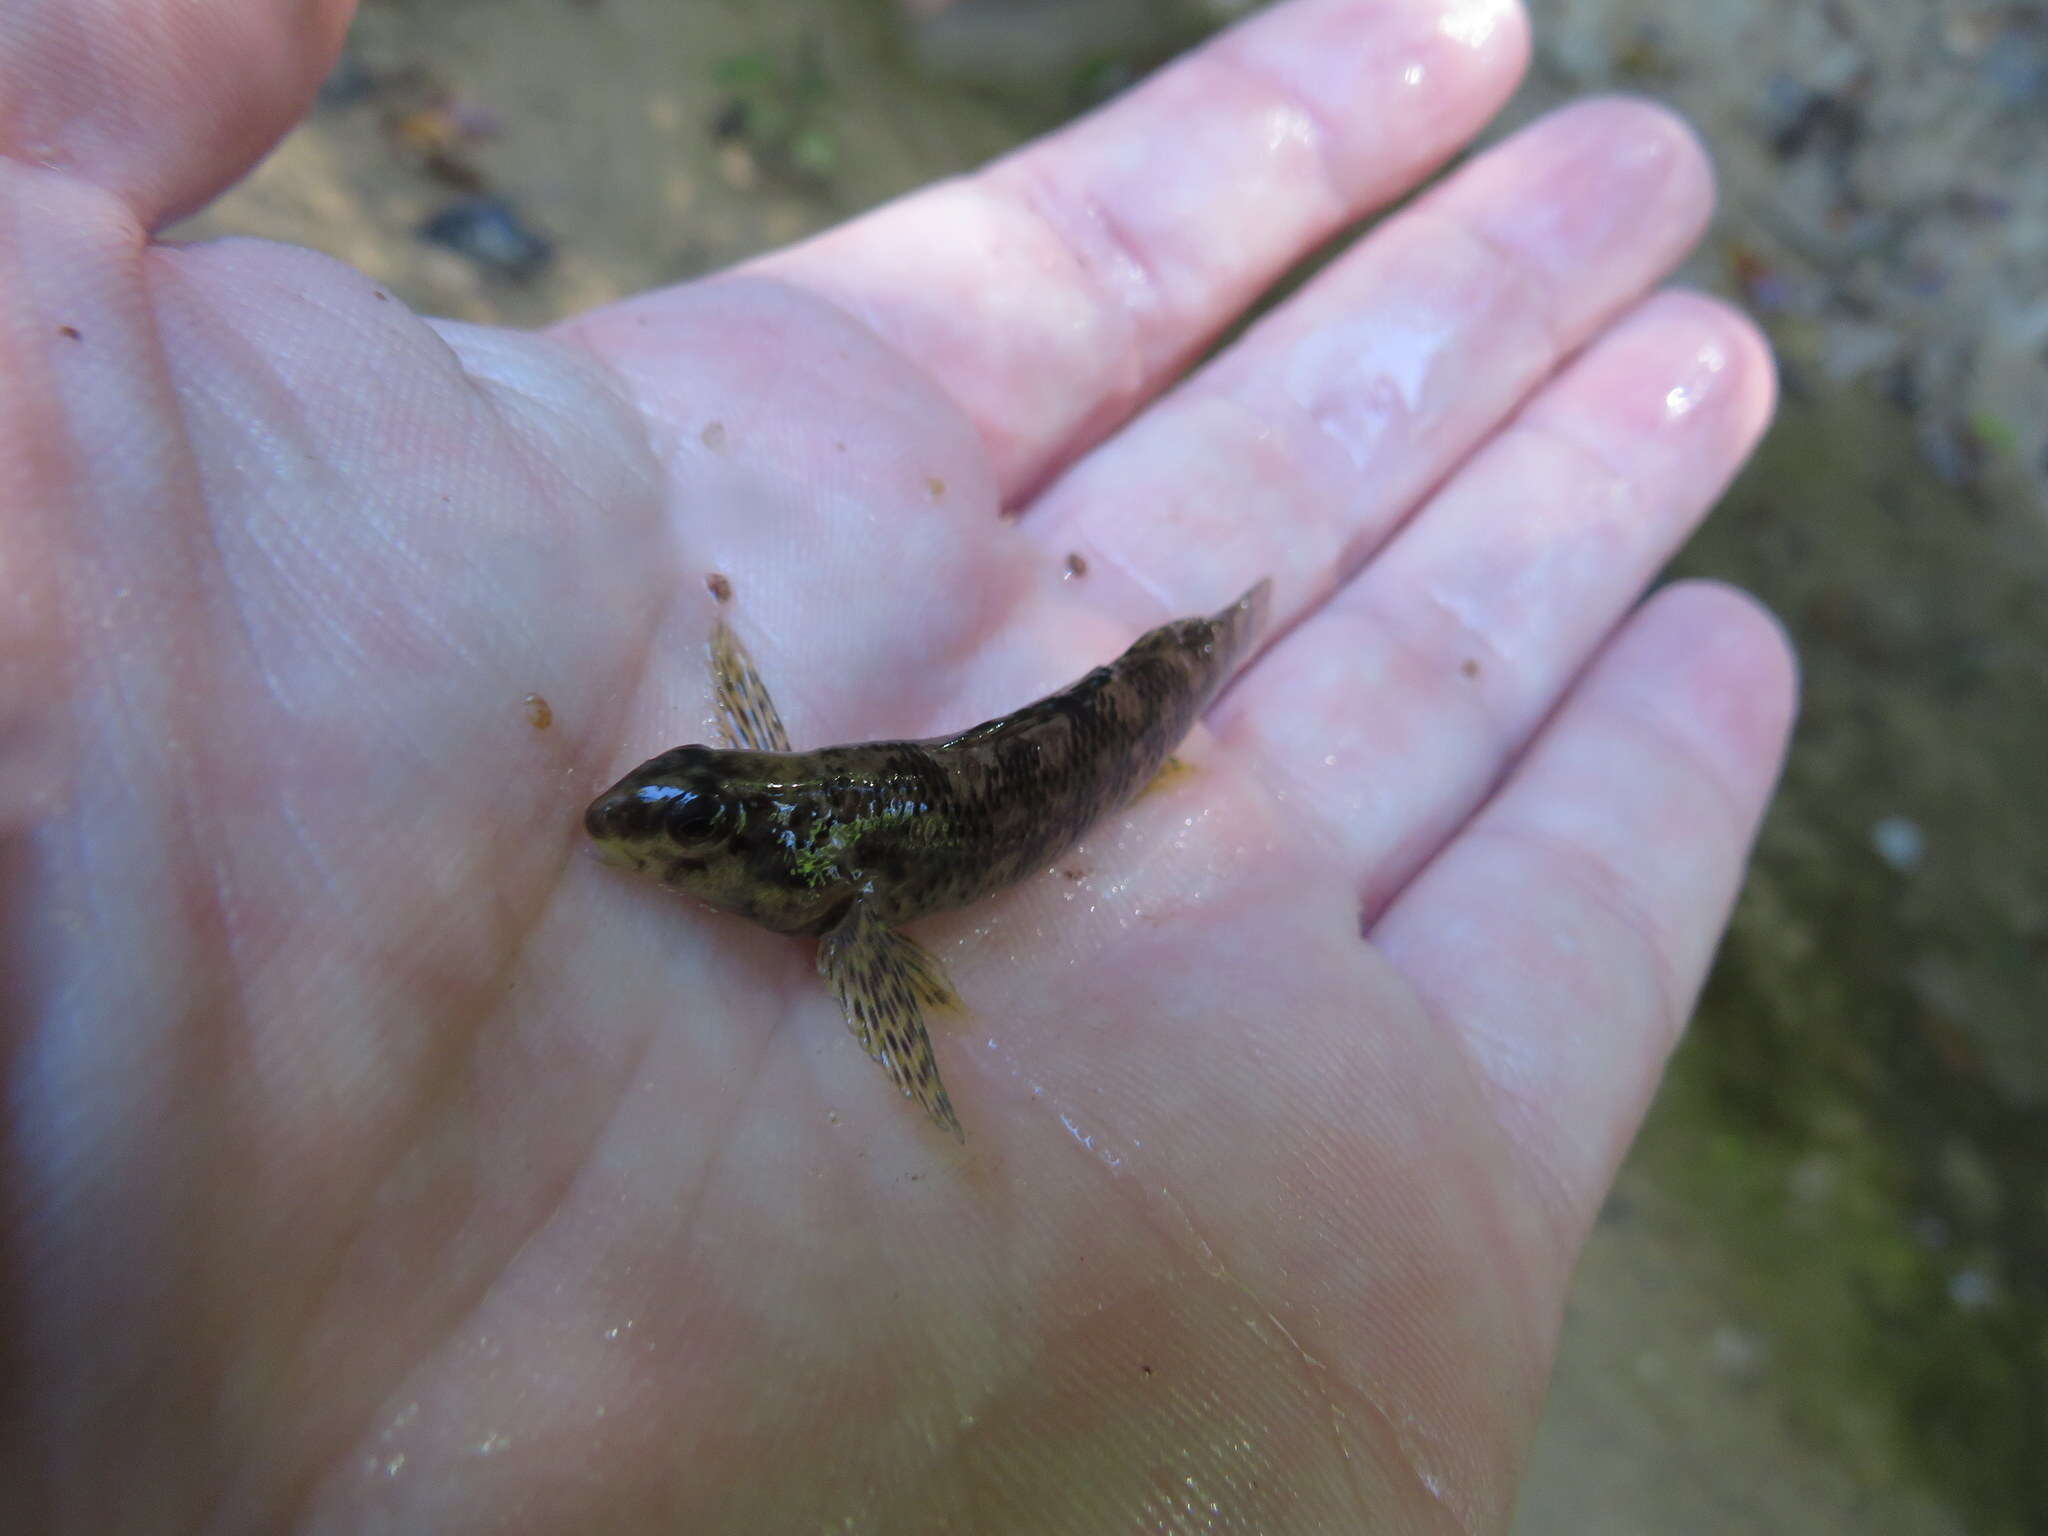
<point x="1597" y="200"/>
<point x="1743" y="635"/>
<point x="1677" y="392"/>
<point x="1726" y="677"/>
<point x="1734" y="345"/>
<point x="1398" y="86"/>
<point x="1648" y="127"/>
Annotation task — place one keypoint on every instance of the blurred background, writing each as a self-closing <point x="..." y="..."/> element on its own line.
<point x="1818" y="1301"/>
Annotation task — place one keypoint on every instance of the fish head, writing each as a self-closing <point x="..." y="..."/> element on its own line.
<point x="717" y="825"/>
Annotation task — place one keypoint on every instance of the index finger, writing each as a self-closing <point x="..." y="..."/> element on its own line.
<point x="1057" y="290"/>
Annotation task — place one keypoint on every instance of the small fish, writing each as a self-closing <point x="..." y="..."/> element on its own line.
<point x="849" y="843"/>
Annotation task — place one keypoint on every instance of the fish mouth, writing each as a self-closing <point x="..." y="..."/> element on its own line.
<point x="614" y="854"/>
<point x="597" y="815"/>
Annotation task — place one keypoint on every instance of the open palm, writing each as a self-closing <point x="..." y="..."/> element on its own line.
<point x="376" y="1160"/>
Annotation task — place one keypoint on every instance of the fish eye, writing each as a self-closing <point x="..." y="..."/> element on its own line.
<point x="693" y="820"/>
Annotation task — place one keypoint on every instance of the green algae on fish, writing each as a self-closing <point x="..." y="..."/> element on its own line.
<point x="849" y="843"/>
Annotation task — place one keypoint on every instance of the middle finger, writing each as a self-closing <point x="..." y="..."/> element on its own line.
<point x="1296" y="452"/>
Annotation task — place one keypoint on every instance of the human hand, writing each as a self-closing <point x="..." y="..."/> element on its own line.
<point x="378" y="1161"/>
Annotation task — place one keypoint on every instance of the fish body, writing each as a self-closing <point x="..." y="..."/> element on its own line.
<point x="847" y="843"/>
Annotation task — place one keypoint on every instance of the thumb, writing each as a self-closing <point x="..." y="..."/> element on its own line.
<point x="162" y="103"/>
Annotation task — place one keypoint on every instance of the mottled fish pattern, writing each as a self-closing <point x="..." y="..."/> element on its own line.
<point x="848" y="843"/>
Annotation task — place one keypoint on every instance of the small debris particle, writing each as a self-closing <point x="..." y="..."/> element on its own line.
<point x="936" y="486"/>
<point x="838" y="445"/>
<point x="490" y="234"/>
<point x="731" y="121"/>
<point x="1076" y="566"/>
<point x="380" y="295"/>
<point x="1763" y="284"/>
<point x="1469" y="667"/>
<point x="455" y="172"/>
<point x="719" y="586"/>
<point x="1647" y="55"/>
<point x="1899" y="842"/>
<point x="713" y="436"/>
<point x="70" y="333"/>
<point x="539" y="714"/>
<point x="1144" y="1369"/>
<point x="1073" y="874"/>
<point x="1803" y="118"/>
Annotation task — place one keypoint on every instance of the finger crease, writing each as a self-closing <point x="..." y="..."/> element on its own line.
<point x="1114" y="274"/>
<point x="1608" y="889"/>
<point x="1537" y="289"/>
<point x="1322" y="130"/>
<point x="1608" y="479"/>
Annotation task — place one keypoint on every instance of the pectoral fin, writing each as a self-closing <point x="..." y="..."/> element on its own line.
<point x="745" y="710"/>
<point x="885" y="983"/>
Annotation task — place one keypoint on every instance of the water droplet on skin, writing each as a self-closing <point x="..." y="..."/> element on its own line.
<point x="1289" y="125"/>
<point x="1363" y="384"/>
<point x="1690" y="392"/>
<point x="1474" y="23"/>
<point x="1899" y="842"/>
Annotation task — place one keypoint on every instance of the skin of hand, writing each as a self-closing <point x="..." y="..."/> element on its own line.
<point x="375" y="1160"/>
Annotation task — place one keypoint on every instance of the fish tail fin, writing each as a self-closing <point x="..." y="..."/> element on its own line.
<point x="1243" y="623"/>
